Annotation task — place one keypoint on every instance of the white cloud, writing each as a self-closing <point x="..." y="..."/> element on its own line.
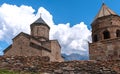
<point x="14" y="19"/>
<point x="1" y="34"/>
<point x="73" y="39"/>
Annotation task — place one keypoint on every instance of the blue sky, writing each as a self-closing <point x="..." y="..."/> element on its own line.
<point x="64" y="11"/>
<point x="72" y="11"/>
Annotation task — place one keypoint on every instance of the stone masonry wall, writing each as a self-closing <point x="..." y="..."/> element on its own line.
<point x="105" y="50"/>
<point x="42" y="65"/>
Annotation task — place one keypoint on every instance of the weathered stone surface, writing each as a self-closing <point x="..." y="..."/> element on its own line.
<point x="105" y="38"/>
<point x="39" y="65"/>
<point x="36" y="44"/>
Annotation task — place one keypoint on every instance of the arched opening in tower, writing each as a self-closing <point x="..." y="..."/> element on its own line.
<point x="95" y="38"/>
<point x="106" y="34"/>
<point x="118" y="33"/>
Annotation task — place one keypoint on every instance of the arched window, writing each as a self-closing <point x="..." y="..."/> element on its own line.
<point x="106" y="34"/>
<point x="95" y="38"/>
<point x="118" y="33"/>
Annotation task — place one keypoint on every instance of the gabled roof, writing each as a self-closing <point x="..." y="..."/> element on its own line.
<point x="22" y="33"/>
<point x="105" y="11"/>
<point x="27" y="36"/>
<point x="10" y="46"/>
<point x="56" y="42"/>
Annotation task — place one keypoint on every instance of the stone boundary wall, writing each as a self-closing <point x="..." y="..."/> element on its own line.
<point x="43" y="65"/>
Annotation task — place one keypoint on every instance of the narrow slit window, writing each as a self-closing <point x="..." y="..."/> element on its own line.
<point x="95" y="38"/>
<point x="118" y="33"/>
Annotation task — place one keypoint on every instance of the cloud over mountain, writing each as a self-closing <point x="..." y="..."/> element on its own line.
<point x="14" y="19"/>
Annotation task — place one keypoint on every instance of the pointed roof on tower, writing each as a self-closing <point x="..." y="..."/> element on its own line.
<point x="104" y="11"/>
<point x="39" y="21"/>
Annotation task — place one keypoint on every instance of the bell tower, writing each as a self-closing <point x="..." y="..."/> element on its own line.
<point x="105" y="35"/>
<point x="40" y="30"/>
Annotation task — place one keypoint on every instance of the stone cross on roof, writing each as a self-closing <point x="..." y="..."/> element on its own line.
<point x="105" y="11"/>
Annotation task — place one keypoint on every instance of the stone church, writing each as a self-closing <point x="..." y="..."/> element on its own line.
<point x="36" y="44"/>
<point x="105" y="35"/>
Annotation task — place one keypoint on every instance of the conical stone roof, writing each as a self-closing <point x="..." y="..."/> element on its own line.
<point x="40" y="21"/>
<point x="104" y="11"/>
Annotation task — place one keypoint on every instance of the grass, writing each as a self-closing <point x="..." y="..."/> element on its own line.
<point x="3" y="71"/>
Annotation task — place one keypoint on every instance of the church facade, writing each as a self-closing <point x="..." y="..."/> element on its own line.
<point x="105" y="35"/>
<point x="36" y="44"/>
